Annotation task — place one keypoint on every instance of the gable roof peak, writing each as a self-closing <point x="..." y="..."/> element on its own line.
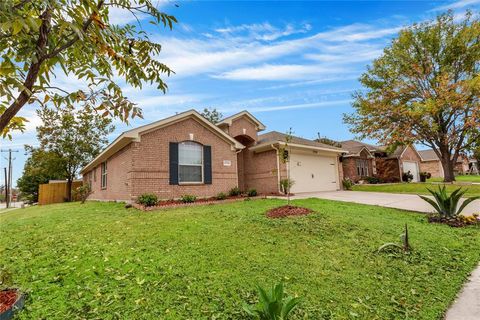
<point x="228" y="120"/>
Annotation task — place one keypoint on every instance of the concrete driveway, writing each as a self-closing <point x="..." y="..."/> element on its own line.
<point x="410" y="202"/>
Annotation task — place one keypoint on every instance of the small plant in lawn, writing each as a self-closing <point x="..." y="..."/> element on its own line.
<point x="407" y="176"/>
<point x="404" y="246"/>
<point x="188" y="198"/>
<point x="234" y="192"/>
<point x="221" y="196"/>
<point x="273" y="304"/>
<point x="347" y="184"/>
<point x="446" y="204"/>
<point x="148" y="199"/>
<point x="252" y="192"/>
<point x="82" y="192"/>
<point x="286" y="185"/>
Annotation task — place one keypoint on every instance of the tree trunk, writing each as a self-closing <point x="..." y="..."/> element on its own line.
<point x="32" y="74"/>
<point x="69" y="189"/>
<point x="448" y="165"/>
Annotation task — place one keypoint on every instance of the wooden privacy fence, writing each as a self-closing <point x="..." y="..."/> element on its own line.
<point x="55" y="192"/>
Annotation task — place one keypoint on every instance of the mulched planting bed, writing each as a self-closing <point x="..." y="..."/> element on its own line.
<point x="7" y="299"/>
<point x="200" y="201"/>
<point x="285" y="211"/>
<point x="457" y="223"/>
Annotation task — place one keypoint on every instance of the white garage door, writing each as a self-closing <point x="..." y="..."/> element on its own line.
<point x="413" y="168"/>
<point x="313" y="173"/>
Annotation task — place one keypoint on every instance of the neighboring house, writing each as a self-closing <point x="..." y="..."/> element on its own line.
<point x="359" y="162"/>
<point x="432" y="164"/>
<point x="187" y="154"/>
<point x="364" y="160"/>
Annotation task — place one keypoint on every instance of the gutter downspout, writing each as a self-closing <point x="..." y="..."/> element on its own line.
<point x="236" y="165"/>
<point x="278" y="167"/>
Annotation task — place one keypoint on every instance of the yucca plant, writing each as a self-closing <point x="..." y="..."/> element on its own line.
<point x="447" y="204"/>
<point x="273" y="304"/>
<point x="404" y="246"/>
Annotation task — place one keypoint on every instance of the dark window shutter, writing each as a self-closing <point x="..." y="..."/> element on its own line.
<point x="207" y="164"/>
<point x="173" y="163"/>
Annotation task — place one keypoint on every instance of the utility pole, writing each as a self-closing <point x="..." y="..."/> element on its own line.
<point x="8" y="177"/>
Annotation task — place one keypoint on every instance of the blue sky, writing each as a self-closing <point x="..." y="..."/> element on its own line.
<point x="292" y="64"/>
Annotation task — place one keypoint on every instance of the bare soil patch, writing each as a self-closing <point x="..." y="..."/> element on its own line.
<point x="285" y="211"/>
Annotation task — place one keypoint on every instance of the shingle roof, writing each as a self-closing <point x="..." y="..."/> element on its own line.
<point x="428" y="155"/>
<point x="274" y="136"/>
<point x="355" y="147"/>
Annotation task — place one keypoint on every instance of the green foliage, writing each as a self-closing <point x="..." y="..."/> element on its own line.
<point x="221" y="196"/>
<point x="75" y="136"/>
<point x="347" y="184"/>
<point x="107" y="239"/>
<point x="234" y="192"/>
<point x="40" y="167"/>
<point x="373" y="180"/>
<point x="286" y="185"/>
<point x="404" y="246"/>
<point x="188" y="198"/>
<point x="82" y="192"/>
<point x="407" y="176"/>
<point x="446" y="204"/>
<point x="252" y="192"/>
<point x="148" y="199"/>
<point x="212" y="115"/>
<point x="424" y="89"/>
<point x="39" y="39"/>
<point x="424" y="176"/>
<point x="273" y="304"/>
<point x="328" y="141"/>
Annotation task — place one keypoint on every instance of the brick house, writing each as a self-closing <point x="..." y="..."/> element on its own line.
<point x="365" y="160"/>
<point x="186" y="154"/>
<point x="432" y="164"/>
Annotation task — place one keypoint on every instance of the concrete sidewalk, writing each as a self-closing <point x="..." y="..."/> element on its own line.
<point x="410" y="202"/>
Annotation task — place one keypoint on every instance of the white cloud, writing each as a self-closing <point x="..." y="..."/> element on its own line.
<point x="218" y="56"/>
<point x="457" y="5"/>
<point x="280" y="72"/>
<point x="264" y="31"/>
<point x="321" y="104"/>
<point x="121" y="16"/>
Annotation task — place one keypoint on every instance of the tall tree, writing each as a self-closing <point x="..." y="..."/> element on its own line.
<point x="75" y="136"/>
<point x="40" y="167"/>
<point x="212" y="115"/>
<point x="43" y="37"/>
<point x="425" y="88"/>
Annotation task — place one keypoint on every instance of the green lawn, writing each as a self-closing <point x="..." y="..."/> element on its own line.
<point x="102" y="261"/>
<point x="468" y="178"/>
<point x="415" y="188"/>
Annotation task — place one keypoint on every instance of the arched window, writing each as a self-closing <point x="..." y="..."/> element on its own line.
<point x="190" y="162"/>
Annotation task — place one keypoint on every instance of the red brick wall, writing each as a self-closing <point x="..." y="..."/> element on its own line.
<point x="150" y="168"/>
<point x="261" y="171"/>
<point x="388" y="170"/>
<point x="434" y="167"/>
<point x="349" y="166"/>
<point x="143" y="167"/>
<point x="237" y="126"/>
<point x="119" y="167"/>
